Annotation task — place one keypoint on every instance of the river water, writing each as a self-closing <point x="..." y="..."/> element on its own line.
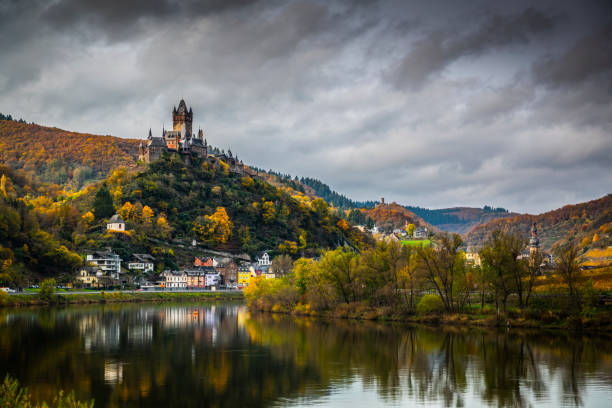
<point x="165" y="355"/>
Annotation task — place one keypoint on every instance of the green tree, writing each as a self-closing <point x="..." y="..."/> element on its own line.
<point x="103" y="204"/>
<point x="443" y="268"/>
<point x="47" y="289"/>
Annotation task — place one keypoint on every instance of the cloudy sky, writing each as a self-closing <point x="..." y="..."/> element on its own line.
<point x="428" y="103"/>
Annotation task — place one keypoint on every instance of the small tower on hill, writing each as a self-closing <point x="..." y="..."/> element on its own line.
<point x="534" y="242"/>
<point x="182" y="119"/>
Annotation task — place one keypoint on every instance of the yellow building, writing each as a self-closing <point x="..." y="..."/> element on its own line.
<point x="244" y="273"/>
<point x="88" y="277"/>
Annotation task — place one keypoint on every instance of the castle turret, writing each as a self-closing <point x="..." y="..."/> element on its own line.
<point x="182" y="119"/>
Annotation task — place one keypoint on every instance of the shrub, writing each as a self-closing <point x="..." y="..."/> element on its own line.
<point x="11" y="395"/>
<point x="47" y="289"/>
<point x="430" y="304"/>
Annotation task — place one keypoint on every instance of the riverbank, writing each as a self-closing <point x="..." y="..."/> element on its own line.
<point x="115" y="297"/>
<point x="599" y="321"/>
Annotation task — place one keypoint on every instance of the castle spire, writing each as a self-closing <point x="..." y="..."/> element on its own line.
<point x="150" y="134"/>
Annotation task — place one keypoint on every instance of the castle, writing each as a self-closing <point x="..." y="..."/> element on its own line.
<point x="180" y="139"/>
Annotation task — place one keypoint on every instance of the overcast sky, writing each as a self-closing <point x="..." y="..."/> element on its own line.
<point x="427" y="103"/>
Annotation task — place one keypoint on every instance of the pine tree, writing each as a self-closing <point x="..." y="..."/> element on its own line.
<point x="103" y="204"/>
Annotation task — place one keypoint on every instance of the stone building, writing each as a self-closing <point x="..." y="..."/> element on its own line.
<point x="180" y="139"/>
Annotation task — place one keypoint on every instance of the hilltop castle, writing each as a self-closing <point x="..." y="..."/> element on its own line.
<point x="180" y="139"/>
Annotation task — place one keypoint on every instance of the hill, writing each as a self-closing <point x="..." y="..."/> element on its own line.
<point x="62" y="157"/>
<point x="391" y="216"/>
<point x="589" y="223"/>
<point x="166" y="205"/>
<point x="460" y="219"/>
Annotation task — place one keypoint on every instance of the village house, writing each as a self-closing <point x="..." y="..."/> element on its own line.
<point x="244" y="274"/>
<point x="141" y="263"/>
<point x="88" y="277"/>
<point x="263" y="259"/>
<point x="174" y="279"/>
<point x="420" y="233"/>
<point x="199" y="262"/>
<point x="229" y="271"/>
<point x="115" y="223"/>
<point x="473" y="258"/>
<point x="107" y="261"/>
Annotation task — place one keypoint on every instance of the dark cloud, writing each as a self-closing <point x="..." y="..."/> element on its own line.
<point x="438" y="49"/>
<point x="590" y="56"/>
<point x="491" y="102"/>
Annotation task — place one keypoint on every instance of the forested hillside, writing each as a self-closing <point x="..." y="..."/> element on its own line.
<point x="391" y="216"/>
<point x="589" y="223"/>
<point x="63" y="157"/>
<point x="44" y="229"/>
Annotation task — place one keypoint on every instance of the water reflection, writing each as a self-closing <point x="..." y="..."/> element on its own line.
<point x="220" y="355"/>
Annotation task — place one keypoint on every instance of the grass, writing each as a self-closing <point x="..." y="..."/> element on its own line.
<point x="114" y="297"/>
<point x="417" y="242"/>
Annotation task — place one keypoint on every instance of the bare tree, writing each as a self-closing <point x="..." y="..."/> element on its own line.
<point x="568" y="268"/>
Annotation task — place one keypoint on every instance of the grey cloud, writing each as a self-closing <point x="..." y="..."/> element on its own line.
<point x="303" y="87"/>
<point x="439" y="49"/>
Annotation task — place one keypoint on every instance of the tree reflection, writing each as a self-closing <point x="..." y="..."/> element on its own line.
<point x="169" y="355"/>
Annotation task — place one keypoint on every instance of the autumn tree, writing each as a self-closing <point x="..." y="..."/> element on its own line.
<point x="568" y="268"/>
<point x="443" y="267"/>
<point x="500" y="257"/>
<point x="268" y="211"/>
<point x="282" y="265"/>
<point x="215" y="228"/>
<point x="339" y="268"/>
<point x="147" y="215"/>
<point x="164" y="230"/>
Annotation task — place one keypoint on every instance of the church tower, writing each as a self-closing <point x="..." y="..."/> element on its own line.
<point x="534" y="242"/>
<point x="182" y="119"/>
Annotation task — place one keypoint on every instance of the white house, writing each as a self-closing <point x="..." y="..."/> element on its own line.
<point x="115" y="223"/>
<point x="175" y="279"/>
<point x="264" y="259"/>
<point x="420" y="233"/>
<point x="108" y="261"/>
<point x="142" y="263"/>
<point x="213" y="279"/>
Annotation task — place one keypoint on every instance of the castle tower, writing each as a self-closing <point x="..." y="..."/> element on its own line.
<point x="534" y="242"/>
<point x="182" y="119"/>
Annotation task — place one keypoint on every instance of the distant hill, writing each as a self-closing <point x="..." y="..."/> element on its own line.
<point x="579" y="222"/>
<point x="391" y="216"/>
<point x="60" y="156"/>
<point x="460" y="219"/>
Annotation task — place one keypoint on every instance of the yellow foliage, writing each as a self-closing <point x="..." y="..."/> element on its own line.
<point x="147" y="215"/>
<point x="247" y="182"/>
<point x="224" y="166"/>
<point x="343" y="225"/>
<point x="269" y="211"/>
<point x="127" y="212"/>
<point x="88" y="218"/>
<point x="290" y="247"/>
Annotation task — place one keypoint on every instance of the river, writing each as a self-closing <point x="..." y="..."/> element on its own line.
<point x="220" y="355"/>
